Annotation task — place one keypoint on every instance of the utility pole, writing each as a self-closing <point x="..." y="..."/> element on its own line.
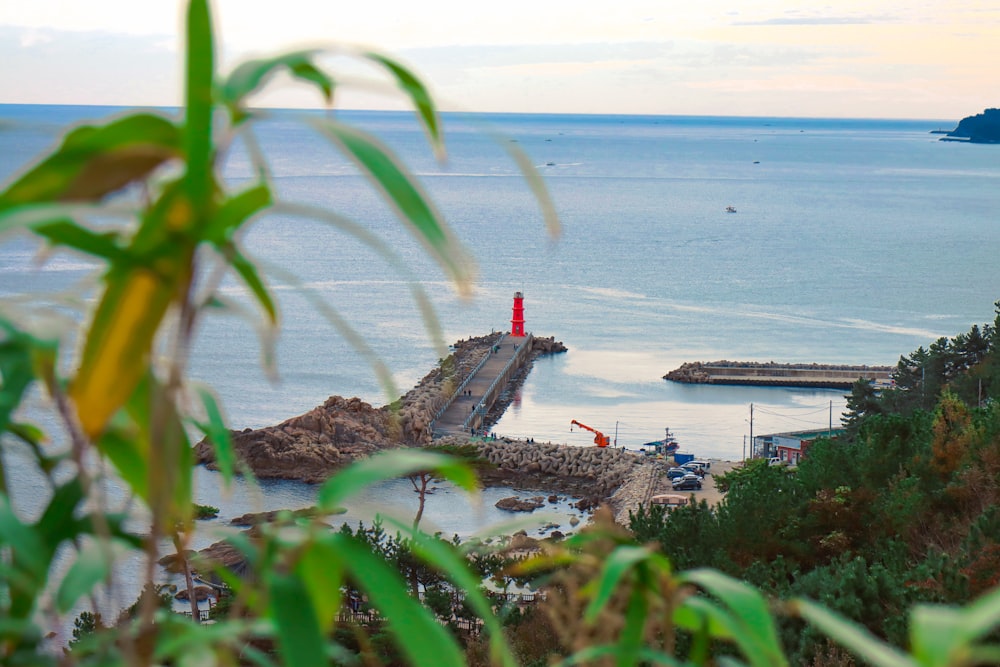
<point x="751" y="433"/>
<point x="829" y="432"/>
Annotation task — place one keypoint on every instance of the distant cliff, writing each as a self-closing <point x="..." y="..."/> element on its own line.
<point x="983" y="128"/>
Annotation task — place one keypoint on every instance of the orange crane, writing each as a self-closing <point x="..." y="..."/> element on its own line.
<point x="600" y="439"/>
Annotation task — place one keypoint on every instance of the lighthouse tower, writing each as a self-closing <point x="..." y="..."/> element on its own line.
<point x="517" y="318"/>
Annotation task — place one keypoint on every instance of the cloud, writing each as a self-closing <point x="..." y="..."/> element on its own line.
<point x="818" y="20"/>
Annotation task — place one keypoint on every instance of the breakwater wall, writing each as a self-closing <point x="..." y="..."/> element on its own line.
<point x="779" y="375"/>
<point x="598" y="472"/>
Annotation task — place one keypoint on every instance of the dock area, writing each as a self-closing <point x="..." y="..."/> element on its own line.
<point x="820" y="376"/>
<point x="466" y="412"/>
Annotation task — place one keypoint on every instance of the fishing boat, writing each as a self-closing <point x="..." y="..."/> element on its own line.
<point x="665" y="447"/>
<point x="730" y="209"/>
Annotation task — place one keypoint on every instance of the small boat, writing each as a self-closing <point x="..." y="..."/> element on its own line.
<point x="665" y="447"/>
<point x="730" y="209"/>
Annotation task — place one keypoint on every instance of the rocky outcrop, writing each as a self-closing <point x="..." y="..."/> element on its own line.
<point x="311" y="446"/>
<point x="515" y="504"/>
<point x="983" y="128"/>
<point x="547" y="345"/>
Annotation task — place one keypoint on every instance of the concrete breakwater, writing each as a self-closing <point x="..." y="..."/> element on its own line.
<point x="593" y="473"/>
<point x="829" y="376"/>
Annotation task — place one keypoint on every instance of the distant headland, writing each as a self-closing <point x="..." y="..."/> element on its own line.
<point x="983" y="128"/>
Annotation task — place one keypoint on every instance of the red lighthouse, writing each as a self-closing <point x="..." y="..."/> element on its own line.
<point x="517" y="318"/>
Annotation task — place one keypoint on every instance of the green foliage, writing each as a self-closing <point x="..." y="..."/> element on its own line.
<point x="205" y="511"/>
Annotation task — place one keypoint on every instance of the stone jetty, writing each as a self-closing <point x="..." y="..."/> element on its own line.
<point x="829" y="376"/>
<point x="312" y="446"/>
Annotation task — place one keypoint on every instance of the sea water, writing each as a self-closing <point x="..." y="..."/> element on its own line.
<point x="853" y="241"/>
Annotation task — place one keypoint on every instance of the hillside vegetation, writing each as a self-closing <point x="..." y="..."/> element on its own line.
<point x="902" y="509"/>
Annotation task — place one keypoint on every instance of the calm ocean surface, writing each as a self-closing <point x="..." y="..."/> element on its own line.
<point x="854" y="242"/>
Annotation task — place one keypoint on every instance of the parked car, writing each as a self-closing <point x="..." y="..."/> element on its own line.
<point x="691" y="466"/>
<point x="704" y="465"/>
<point x="674" y="473"/>
<point x="689" y="482"/>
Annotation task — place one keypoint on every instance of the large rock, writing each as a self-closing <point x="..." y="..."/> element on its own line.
<point x="515" y="504"/>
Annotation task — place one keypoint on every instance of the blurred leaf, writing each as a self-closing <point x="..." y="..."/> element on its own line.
<point x="417" y="633"/>
<point x="198" y="144"/>
<point x="855" y="638"/>
<point x="72" y="235"/>
<point x="251" y="75"/>
<point x="412" y="206"/>
<point x="58" y="522"/>
<point x="28" y="561"/>
<point x="300" y="639"/>
<point x="754" y="629"/>
<point x="319" y="564"/>
<point x="233" y="212"/>
<point x="392" y="465"/>
<point x="418" y="94"/>
<point x="218" y="434"/>
<point x="96" y="160"/>
<point x="90" y="566"/>
<point x="116" y="353"/>
<point x="592" y="655"/>
<point x="941" y="635"/>
<point x="538" y="188"/>
<point x="129" y="454"/>
<point x="248" y="272"/>
<point x="16" y="373"/>
<point x="621" y="561"/>
<point x="443" y="557"/>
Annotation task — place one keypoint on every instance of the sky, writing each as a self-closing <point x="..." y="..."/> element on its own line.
<point x="869" y="59"/>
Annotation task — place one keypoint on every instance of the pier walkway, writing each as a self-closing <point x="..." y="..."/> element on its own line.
<point x="467" y="410"/>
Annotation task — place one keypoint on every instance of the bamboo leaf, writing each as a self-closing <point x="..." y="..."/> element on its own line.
<point x="443" y="557"/>
<point x="320" y="566"/>
<point x="248" y="272"/>
<point x="235" y="211"/>
<point x="16" y="373"/>
<point x="252" y="75"/>
<point x="90" y="566"/>
<point x="199" y="81"/>
<point x="300" y="640"/>
<point x="418" y="94"/>
<point x="94" y="161"/>
<point x="417" y="633"/>
<point x="392" y="465"/>
<point x="593" y="654"/>
<point x="115" y="355"/>
<point x="851" y="636"/>
<point x="754" y="627"/>
<point x="538" y="188"/>
<point x="218" y="434"/>
<point x="622" y="560"/>
<point x="129" y="454"/>
<point x="70" y="234"/>
<point x="412" y="206"/>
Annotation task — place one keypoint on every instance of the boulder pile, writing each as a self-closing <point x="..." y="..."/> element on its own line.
<point x="592" y="472"/>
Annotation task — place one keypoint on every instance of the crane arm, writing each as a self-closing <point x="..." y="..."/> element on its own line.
<point x="600" y="439"/>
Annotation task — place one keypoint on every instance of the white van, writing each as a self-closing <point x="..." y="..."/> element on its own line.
<point x="703" y="465"/>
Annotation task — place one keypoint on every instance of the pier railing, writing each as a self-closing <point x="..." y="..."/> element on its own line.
<point x="460" y="388"/>
<point x="478" y="416"/>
